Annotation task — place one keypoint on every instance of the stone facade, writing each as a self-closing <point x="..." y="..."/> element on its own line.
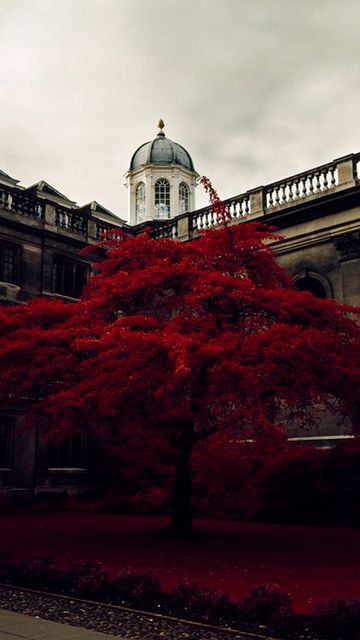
<point x="317" y="214"/>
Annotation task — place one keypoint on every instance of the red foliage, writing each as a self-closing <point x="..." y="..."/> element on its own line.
<point x="172" y="342"/>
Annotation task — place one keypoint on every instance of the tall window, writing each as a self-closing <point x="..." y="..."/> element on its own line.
<point x="183" y="197"/>
<point x="6" y="432"/>
<point x="9" y="263"/>
<point x="68" y="453"/>
<point x="140" y="202"/>
<point x="162" y="199"/>
<point x="68" y="278"/>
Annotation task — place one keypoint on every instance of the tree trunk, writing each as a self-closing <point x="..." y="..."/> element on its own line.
<point x="181" y="517"/>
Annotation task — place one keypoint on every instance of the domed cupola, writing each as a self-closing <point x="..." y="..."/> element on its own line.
<point x="161" y="180"/>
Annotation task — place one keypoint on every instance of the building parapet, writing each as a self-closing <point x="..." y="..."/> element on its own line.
<point x="338" y="175"/>
<point x="342" y="173"/>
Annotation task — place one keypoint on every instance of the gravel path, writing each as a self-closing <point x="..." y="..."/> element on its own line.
<point x="111" y="620"/>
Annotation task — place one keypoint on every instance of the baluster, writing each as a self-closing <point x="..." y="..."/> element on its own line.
<point x="317" y="181"/>
<point x="332" y="177"/>
<point x="311" y="184"/>
<point x="325" y="183"/>
<point x="357" y="172"/>
<point x="297" y="188"/>
<point x="9" y="202"/>
<point x="276" y="198"/>
<point x="303" y="187"/>
<point x="282" y="197"/>
<point x="290" y="195"/>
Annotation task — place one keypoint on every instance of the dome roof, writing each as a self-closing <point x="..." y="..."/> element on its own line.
<point x="161" y="151"/>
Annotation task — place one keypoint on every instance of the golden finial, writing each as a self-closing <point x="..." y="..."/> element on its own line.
<point x="161" y="124"/>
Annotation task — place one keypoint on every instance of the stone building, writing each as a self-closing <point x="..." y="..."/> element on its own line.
<point x="41" y="233"/>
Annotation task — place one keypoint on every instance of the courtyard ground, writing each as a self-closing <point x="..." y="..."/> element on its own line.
<point x="311" y="563"/>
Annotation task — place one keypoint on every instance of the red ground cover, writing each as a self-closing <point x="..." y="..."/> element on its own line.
<point x="311" y="563"/>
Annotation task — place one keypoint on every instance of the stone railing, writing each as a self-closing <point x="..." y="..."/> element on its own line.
<point x="342" y="173"/>
<point x="22" y="203"/>
<point x="338" y="175"/>
<point x="168" y="229"/>
<point x="303" y="185"/>
<point x="71" y="221"/>
<point x="48" y="214"/>
<point x="238" y="208"/>
<point x="102" y="227"/>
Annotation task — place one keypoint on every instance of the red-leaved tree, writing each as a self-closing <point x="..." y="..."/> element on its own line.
<point x="172" y="342"/>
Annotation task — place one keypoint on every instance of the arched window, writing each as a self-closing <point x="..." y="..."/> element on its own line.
<point x="313" y="285"/>
<point x="183" y="197"/>
<point x="140" y="202"/>
<point x="162" y="199"/>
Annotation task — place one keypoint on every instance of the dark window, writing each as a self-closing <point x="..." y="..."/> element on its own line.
<point x="9" y="263"/>
<point x="313" y="285"/>
<point x="68" y="453"/>
<point x="68" y="278"/>
<point x="6" y="431"/>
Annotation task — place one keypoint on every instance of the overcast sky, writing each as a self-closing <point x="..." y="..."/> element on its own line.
<point x="255" y="90"/>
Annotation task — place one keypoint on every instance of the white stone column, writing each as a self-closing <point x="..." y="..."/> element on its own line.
<point x="149" y="195"/>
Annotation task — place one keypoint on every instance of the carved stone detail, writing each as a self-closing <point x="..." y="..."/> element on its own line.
<point x="348" y="245"/>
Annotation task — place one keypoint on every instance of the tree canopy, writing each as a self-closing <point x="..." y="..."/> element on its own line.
<point x="175" y="341"/>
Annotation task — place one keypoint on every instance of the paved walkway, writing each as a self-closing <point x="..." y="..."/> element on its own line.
<point x="17" y="625"/>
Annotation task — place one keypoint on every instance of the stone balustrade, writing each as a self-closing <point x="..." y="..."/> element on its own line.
<point x="24" y="204"/>
<point x="304" y="185"/>
<point x="168" y="229"/>
<point x="342" y="173"/>
<point x="71" y="221"/>
<point x="102" y="227"/>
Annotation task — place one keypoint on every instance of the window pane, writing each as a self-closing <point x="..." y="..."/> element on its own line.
<point x="68" y="278"/>
<point x="183" y="197"/>
<point x="140" y="202"/>
<point x="67" y="454"/>
<point x="162" y="199"/>
<point x="8" y="264"/>
<point x="80" y="279"/>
